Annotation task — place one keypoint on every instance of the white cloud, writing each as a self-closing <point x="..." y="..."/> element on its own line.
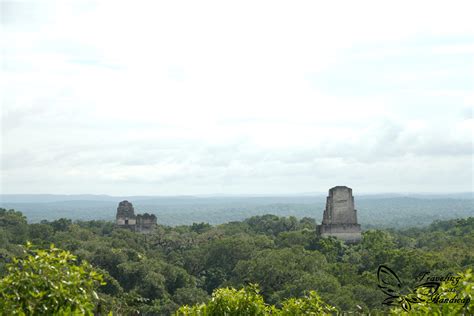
<point x="202" y="97"/>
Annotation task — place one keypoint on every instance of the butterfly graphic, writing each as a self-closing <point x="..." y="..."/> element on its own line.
<point x="391" y="285"/>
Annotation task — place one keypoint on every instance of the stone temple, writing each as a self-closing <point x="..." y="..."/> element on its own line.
<point x="126" y="218"/>
<point x="340" y="217"/>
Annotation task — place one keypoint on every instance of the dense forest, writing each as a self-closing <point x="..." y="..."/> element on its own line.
<point x="270" y="261"/>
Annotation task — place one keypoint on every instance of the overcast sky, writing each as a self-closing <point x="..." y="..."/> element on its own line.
<point x="236" y="97"/>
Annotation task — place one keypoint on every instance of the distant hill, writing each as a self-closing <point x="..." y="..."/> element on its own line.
<point x="375" y="210"/>
<point x="42" y="198"/>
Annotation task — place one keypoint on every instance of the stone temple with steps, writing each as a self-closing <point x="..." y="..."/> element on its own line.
<point x="340" y="217"/>
<point x="126" y="218"/>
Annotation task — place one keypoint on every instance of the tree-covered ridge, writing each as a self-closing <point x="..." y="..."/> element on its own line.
<point x="374" y="211"/>
<point x="175" y="266"/>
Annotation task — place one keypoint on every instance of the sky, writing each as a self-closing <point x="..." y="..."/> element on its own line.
<point x="247" y="97"/>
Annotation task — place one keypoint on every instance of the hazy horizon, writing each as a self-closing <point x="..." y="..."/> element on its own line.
<point x="316" y="193"/>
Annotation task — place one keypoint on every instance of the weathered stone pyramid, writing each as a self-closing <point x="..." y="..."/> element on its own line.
<point x="340" y="217"/>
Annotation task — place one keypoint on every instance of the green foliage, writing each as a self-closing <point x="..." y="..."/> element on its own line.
<point x="61" y="224"/>
<point x="248" y="301"/>
<point x="155" y="273"/>
<point x="286" y="272"/>
<point x="13" y="226"/>
<point x="48" y="282"/>
<point x="271" y="224"/>
<point x="229" y="301"/>
<point x="226" y="252"/>
<point x="295" y="238"/>
<point x="190" y="296"/>
<point x="310" y="304"/>
<point x="331" y="247"/>
<point x="40" y="232"/>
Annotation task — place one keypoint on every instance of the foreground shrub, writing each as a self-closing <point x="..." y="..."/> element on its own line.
<point x="48" y="282"/>
<point x="248" y="301"/>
